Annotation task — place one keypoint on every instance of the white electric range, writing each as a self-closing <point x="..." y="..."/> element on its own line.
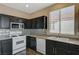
<point x="18" y="41"/>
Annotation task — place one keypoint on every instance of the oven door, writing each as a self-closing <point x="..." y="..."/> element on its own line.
<point x="19" y="42"/>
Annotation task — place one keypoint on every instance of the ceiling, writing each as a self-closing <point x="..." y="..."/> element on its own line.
<point x="33" y="7"/>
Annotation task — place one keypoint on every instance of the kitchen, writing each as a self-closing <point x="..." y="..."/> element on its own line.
<point x="48" y="29"/>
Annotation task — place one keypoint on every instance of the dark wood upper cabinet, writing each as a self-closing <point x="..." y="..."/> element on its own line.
<point x="6" y="19"/>
<point x="4" y="22"/>
<point x="39" y="22"/>
<point x="16" y="19"/>
<point x="34" y="23"/>
<point x="27" y="24"/>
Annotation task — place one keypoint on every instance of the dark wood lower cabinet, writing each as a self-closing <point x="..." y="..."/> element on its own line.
<point x="28" y="41"/>
<point x="55" y="47"/>
<point x="60" y="51"/>
<point x="6" y="47"/>
<point x="49" y="47"/>
<point x="0" y="47"/>
<point x="61" y="48"/>
<point x="72" y="49"/>
<point x="31" y="42"/>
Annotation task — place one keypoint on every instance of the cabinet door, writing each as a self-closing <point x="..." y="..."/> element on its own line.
<point x="28" y="42"/>
<point x="60" y="51"/>
<point x="72" y="52"/>
<point x="72" y="49"/>
<point x="0" y="48"/>
<point x="41" y="22"/>
<point x="50" y="48"/>
<point x="20" y="20"/>
<point x="4" y="21"/>
<point x="13" y="19"/>
<point x="16" y="19"/>
<point x="41" y="45"/>
<point x="7" y="47"/>
<point x="67" y="26"/>
<point x="33" y="43"/>
<point x="68" y="12"/>
<point x="27" y="24"/>
<point x="60" y="48"/>
<point x="34" y="23"/>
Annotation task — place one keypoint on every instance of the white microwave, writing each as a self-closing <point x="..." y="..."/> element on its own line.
<point x="15" y="25"/>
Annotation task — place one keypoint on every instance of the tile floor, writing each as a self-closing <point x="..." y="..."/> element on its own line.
<point x="28" y="51"/>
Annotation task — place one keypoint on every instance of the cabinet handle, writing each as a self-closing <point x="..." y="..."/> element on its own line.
<point x="53" y="50"/>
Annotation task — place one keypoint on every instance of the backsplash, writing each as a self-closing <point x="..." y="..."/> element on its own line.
<point x="10" y="32"/>
<point x="4" y="31"/>
<point x="15" y="32"/>
<point x="37" y="31"/>
<point x="33" y="31"/>
<point x="24" y="31"/>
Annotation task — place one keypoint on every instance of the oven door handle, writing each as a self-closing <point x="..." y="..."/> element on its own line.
<point x="19" y="42"/>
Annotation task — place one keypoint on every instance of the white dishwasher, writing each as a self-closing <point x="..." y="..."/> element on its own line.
<point x="19" y="44"/>
<point x="41" y="45"/>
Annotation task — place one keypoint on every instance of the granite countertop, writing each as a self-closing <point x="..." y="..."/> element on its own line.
<point x="65" y="40"/>
<point x="60" y="39"/>
<point x="5" y="37"/>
